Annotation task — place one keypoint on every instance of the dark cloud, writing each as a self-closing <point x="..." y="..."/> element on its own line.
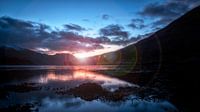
<point x="74" y="27"/>
<point x="71" y="42"/>
<point x="123" y="42"/>
<point x="132" y="25"/>
<point x="105" y="16"/>
<point x="137" y="24"/>
<point x="166" y="12"/>
<point x="6" y="22"/>
<point x="33" y="35"/>
<point x="139" y="37"/>
<point x="131" y="39"/>
<point x="138" y="20"/>
<point x="163" y="21"/>
<point x="37" y="36"/>
<point x="191" y="3"/>
<point x="103" y="39"/>
<point x="14" y="31"/>
<point x="115" y="31"/>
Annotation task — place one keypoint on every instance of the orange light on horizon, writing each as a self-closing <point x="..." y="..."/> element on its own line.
<point x="82" y="55"/>
<point x="106" y="49"/>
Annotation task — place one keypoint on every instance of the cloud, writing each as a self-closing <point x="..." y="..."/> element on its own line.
<point x="191" y="3"/>
<point x="103" y="39"/>
<point x="105" y="16"/>
<point x="14" y="31"/>
<point x="72" y="42"/>
<point x="166" y="12"/>
<point x="114" y="30"/>
<point x="137" y="24"/>
<point x="6" y="21"/>
<point x="132" y="39"/>
<point x="163" y="21"/>
<point x="138" y="20"/>
<point x="74" y="27"/>
<point x="39" y="36"/>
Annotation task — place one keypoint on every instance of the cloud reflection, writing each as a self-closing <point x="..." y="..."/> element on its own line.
<point x="77" y="105"/>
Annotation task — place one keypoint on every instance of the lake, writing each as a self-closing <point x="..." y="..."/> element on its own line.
<point x="73" y="89"/>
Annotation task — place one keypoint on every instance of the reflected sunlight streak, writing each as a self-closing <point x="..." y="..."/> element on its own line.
<point x="105" y="81"/>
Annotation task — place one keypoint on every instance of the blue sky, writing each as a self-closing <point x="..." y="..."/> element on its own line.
<point x="61" y="26"/>
<point x="87" y="13"/>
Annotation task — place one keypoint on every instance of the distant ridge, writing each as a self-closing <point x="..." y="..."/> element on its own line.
<point x="12" y="55"/>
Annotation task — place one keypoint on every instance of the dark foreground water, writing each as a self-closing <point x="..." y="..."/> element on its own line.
<point x="72" y="89"/>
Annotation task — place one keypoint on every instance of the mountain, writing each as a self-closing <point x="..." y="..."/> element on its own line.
<point x="171" y="56"/>
<point x="19" y="56"/>
<point x="168" y="61"/>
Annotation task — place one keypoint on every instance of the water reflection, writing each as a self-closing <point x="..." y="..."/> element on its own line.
<point x="80" y="76"/>
<point x="71" y="89"/>
<point x="78" y="105"/>
<point x="52" y="67"/>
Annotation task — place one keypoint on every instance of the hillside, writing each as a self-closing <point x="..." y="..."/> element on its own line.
<point x="172" y="55"/>
<point x="20" y="56"/>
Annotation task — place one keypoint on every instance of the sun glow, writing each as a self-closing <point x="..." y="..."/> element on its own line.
<point x="106" y="49"/>
<point x="82" y="55"/>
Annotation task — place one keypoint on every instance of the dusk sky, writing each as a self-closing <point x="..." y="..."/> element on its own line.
<point x="62" y="26"/>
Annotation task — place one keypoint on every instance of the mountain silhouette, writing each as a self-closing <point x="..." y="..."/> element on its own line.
<point x="20" y="56"/>
<point x="168" y="60"/>
<point x="172" y="55"/>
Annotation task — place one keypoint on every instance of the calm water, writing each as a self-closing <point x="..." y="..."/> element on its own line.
<point x="72" y="89"/>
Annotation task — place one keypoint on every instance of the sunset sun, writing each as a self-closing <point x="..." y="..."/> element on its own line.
<point x="82" y="55"/>
<point x="106" y="49"/>
<point x="99" y="55"/>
